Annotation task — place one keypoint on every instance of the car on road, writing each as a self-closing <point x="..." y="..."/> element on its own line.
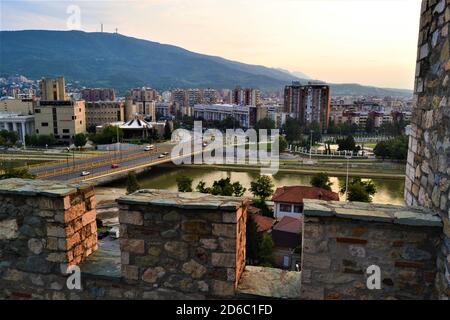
<point x="114" y="165"/>
<point x="162" y="155"/>
<point x="149" y="148"/>
<point x="85" y="173"/>
<point x="165" y="153"/>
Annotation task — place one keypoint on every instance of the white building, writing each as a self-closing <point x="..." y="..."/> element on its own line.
<point x="245" y="115"/>
<point x="22" y="124"/>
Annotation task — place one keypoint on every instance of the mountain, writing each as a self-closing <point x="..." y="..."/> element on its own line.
<point x="113" y="60"/>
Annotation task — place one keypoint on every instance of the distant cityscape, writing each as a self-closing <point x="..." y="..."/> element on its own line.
<point x="54" y="107"/>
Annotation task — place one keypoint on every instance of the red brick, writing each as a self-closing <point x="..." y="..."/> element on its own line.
<point x="132" y="245"/>
<point x="73" y="240"/>
<point x="351" y="240"/>
<point x="74" y="212"/>
<point x="89" y="217"/>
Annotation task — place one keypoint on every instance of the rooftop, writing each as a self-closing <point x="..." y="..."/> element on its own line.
<point x="183" y="200"/>
<point x="403" y="215"/>
<point x="297" y="194"/>
<point x="289" y="224"/>
<point x="30" y="187"/>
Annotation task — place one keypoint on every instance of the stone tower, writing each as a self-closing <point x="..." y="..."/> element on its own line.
<point x="428" y="167"/>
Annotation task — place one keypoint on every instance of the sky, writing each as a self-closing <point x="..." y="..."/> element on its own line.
<point x="371" y="42"/>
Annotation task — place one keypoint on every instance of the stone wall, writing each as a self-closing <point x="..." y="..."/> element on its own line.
<point x="188" y="242"/>
<point x="341" y="240"/>
<point x="428" y="173"/>
<point x="44" y="227"/>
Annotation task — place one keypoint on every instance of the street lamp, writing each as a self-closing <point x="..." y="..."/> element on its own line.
<point x="346" y="180"/>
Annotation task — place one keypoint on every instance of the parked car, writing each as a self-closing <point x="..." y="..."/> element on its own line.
<point x="149" y="148"/>
<point x="114" y="165"/>
<point x="162" y="155"/>
<point x="85" y="173"/>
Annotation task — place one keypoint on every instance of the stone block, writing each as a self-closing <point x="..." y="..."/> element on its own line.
<point x="176" y="249"/>
<point x="55" y="231"/>
<point x="227" y="260"/>
<point x="130" y="272"/>
<point x="194" y="269"/>
<point x="133" y="245"/>
<point x="8" y="229"/>
<point x="222" y="288"/>
<point x="224" y="230"/>
<point x="89" y="217"/>
<point x="131" y="217"/>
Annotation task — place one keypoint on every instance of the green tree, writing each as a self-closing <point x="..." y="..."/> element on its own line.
<point x="80" y="140"/>
<point x="222" y="187"/>
<point x="11" y="172"/>
<point x="396" y="148"/>
<point x="370" y="124"/>
<point x="107" y="135"/>
<point x="262" y="187"/>
<point x="167" y="131"/>
<point x="282" y="144"/>
<point x="347" y="144"/>
<point x="359" y="190"/>
<point x="253" y="239"/>
<point x="292" y="130"/>
<point x="263" y="207"/>
<point x="321" y="180"/>
<point x="266" y="258"/>
<point x="265" y="123"/>
<point x="201" y="187"/>
<point x="132" y="183"/>
<point x="184" y="183"/>
<point x="9" y="138"/>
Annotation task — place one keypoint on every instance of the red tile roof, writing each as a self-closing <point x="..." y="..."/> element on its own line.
<point x="263" y="223"/>
<point x="296" y="194"/>
<point x="289" y="224"/>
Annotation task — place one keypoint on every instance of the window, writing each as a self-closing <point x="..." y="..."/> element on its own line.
<point x="37" y="110"/>
<point x="74" y="117"/>
<point x="37" y="131"/>
<point x="66" y="131"/>
<point x="66" y="137"/>
<point x="44" y="124"/>
<point x="286" y="261"/>
<point x="285" y="207"/>
<point x="298" y="208"/>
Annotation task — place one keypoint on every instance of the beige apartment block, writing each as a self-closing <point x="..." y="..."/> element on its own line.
<point x="102" y="112"/>
<point x="63" y="119"/>
<point x="18" y="106"/>
<point x="53" y="89"/>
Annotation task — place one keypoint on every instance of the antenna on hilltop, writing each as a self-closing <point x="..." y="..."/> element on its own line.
<point x="117" y="31"/>
<point x="101" y="27"/>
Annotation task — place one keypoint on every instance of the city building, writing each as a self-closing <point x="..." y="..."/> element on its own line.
<point x="23" y="124"/>
<point x="17" y="105"/>
<point x="308" y="103"/>
<point x="209" y="96"/>
<point x="53" y="89"/>
<point x="147" y="109"/>
<point x="98" y="94"/>
<point x="100" y="112"/>
<point x="245" y="115"/>
<point x="56" y="114"/>
<point x="144" y="94"/>
<point x="246" y="96"/>
<point x="288" y="201"/>
<point x="164" y="109"/>
<point x="63" y="119"/>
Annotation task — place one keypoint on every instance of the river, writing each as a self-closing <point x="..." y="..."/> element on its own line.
<point x="389" y="191"/>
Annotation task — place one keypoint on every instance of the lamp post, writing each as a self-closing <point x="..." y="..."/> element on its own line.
<point x="346" y="179"/>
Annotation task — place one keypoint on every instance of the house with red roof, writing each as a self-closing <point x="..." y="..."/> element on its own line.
<point x="286" y="239"/>
<point x="288" y="200"/>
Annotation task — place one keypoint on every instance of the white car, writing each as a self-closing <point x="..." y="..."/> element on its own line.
<point x="85" y="173"/>
<point x="149" y="148"/>
<point x="162" y="155"/>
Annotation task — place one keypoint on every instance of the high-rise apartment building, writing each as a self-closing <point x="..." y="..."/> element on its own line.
<point x="53" y="89"/>
<point x="308" y="103"/>
<point x="102" y="112"/>
<point x="144" y="94"/>
<point x="209" y="96"/>
<point x="98" y="94"/>
<point x="246" y="96"/>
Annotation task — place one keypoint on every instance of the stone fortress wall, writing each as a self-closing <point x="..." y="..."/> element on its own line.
<point x="428" y="167"/>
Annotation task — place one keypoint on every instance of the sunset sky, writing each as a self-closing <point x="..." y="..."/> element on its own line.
<point x="372" y="42"/>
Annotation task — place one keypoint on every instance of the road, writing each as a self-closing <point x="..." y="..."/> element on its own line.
<point x="65" y="171"/>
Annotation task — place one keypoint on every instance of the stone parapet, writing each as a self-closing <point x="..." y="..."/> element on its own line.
<point x="191" y="243"/>
<point x="342" y="240"/>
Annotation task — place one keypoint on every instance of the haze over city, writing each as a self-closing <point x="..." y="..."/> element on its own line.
<point x="366" y="42"/>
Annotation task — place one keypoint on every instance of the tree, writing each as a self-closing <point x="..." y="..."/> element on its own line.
<point x="358" y="190"/>
<point x="40" y="140"/>
<point x="107" y="135"/>
<point x="184" y="183"/>
<point x="265" y="123"/>
<point x="347" y="144"/>
<point x="9" y="138"/>
<point x="292" y="130"/>
<point x="222" y="187"/>
<point x="266" y="251"/>
<point x="370" y="124"/>
<point x="263" y="207"/>
<point x="253" y="239"/>
<point x="262" y="187"/>
<point x="396" y="149"/>
<point x="80" y="140"/>
<point x="167" y="131"/>
<point x="132" y="183"/>
<point x="321" y="180"/>
<point x="11" y="172"/>
<point x="282" y="144"/>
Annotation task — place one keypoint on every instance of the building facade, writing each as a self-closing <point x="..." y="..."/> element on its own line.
<point x="245" y="115"/>
<point x="22" y="106"/>
<point x="101" y="112"/>
<point x="308" y="103"/>
<point x="246" y="96"/>
<point x="20" y="123"/>
<point x="53" y="89"/>
<point x="98" y="94"/>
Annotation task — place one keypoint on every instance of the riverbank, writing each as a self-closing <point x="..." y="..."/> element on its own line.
<point x="310" y="170"/>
